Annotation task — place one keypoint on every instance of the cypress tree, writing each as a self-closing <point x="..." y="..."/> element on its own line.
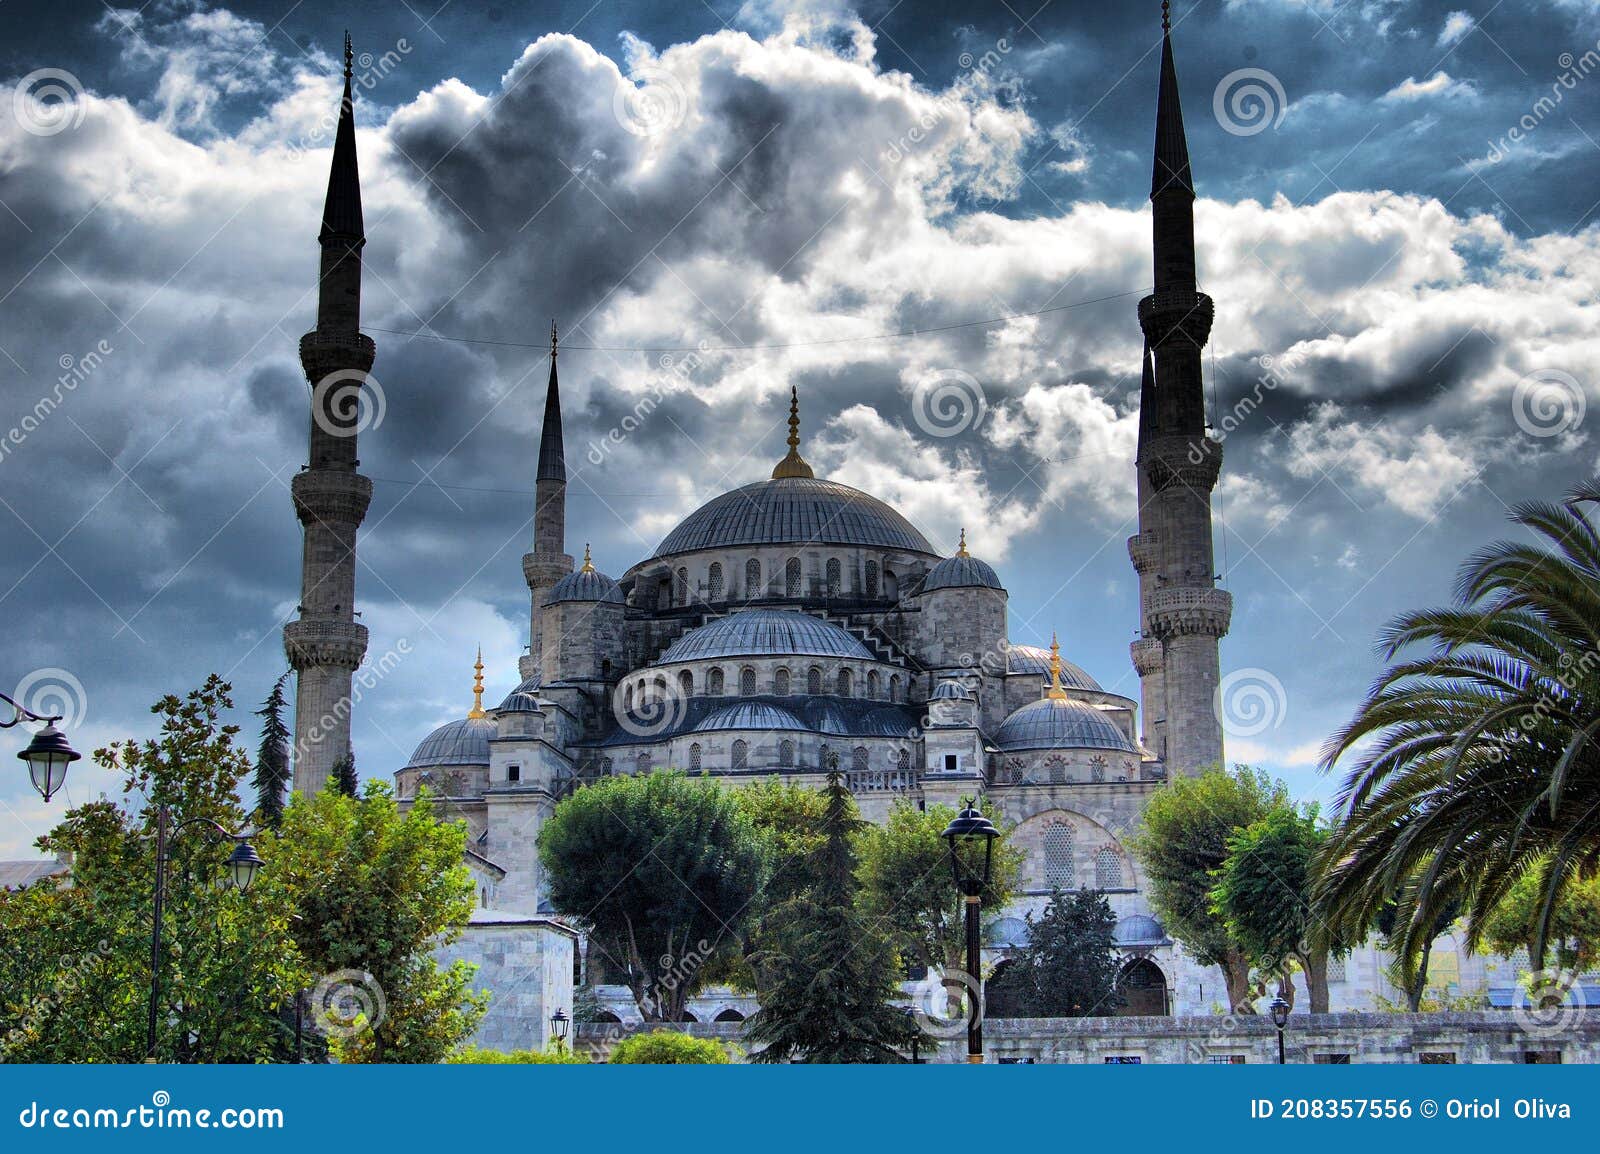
<point x="272" y="758"/>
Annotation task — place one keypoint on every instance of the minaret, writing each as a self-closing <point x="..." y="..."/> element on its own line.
<point x="325" y="644"/>
<point x="1146" y="650"/>
<point x="1178" y="464"/>
<point x="548" y="563"/>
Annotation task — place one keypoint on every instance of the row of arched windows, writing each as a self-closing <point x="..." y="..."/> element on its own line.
<point x="716" y="583"/>
<point x="644" y="694"/>
<point x="1058" y="866"/>
<point x="860" y="758"/>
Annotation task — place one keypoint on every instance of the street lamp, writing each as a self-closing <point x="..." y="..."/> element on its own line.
<point x="1280" y="1019"/>
<point x="558" y="1027"/>
<point x="243" y="865"/>
<point x="971" y="837"/>
<point x="48" y="754"/>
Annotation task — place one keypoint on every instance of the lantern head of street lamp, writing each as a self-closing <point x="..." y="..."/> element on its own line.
<point x="971" y="838"/>
<point x="1280" y="1013"/>
<point x="558" y="1025"/>
<point x="243" y="865"/>
<point x="48" y="756"/>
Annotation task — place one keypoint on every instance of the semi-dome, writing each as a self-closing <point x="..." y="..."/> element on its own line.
<point x="963" y="571"/>
<point x="950" y="690"/>
<point x="1141" y="930"/>
<point x="464" y="742"/>
<point x="523" y="699"/>
<point x="587" y="584"/>
<point x="750" y="715"/>
<point x="1060" y="723"/>
<point x="1034" y="659"/>
<point x="793" y="511"/>
<point x="758" y="632"/>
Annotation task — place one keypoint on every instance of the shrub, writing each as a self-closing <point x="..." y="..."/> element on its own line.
<point x="480" y="1056"/>
<point x="667" y="1047"/>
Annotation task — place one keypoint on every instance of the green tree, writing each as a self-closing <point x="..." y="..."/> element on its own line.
<point x="272" y="757"/>
<point x="342" y="778"/>
<point x="833" y="973"/>
<point x="908" y="884"/>
<point x="1067" y="968"/>
<point x="1263" y="895"/>
<point x="1412" y="955"/>
<point x="377" y="891"/>
<point x="664" y="870"/>
<point x="478" y="1056"/>
<point x="1574" y="932"/>
<point x="1480" y="755"/>
<point x="668" y="1048"/>
<point x="1183" y="842"/>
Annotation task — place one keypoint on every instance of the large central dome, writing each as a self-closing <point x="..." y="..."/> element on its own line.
<point x="793" y="511"/>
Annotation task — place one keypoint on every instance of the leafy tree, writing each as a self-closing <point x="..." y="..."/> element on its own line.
<point x="478" y="1056"/>
<point x="905" y="872"/>
<point x="342" y="778"/>
<point x="833" y="972"/>
<point x="1067" y="968"/>
<point x="1412" y="951"/>
<point x="1480" y="755"/>
<point x="377" y="891"/>
<point x="1183" y="842"/>
<point x="668" y="1048"/>
<point x="272" y="757"/>
<point x="1574" y="927"/>
<point x="661" y="867"/>
<point x="1263" y="896"/>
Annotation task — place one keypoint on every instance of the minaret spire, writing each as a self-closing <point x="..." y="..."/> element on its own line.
<point x="1055" y="692"/>
<point x="476" y="713"/>
<point x="794" y="464"/>
<point x="548" y="561"/>
<point x="325" y="644"/>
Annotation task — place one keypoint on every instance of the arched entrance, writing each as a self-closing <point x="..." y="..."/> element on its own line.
<point x="1143" y="988"/>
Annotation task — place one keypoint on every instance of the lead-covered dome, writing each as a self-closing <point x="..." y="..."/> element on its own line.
<point x="464" y="742"/>
<point x="1060" y="723"/>
<point x="750" y="715"/>
<point x="963" y="571"/>
<point x="760" y="632"/>
<point x="793" y="511"/>
<point x="587" y="584"/>
<point x="1034" y="659"/>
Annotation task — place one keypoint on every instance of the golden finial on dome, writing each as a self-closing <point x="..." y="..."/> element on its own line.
<point x="476" y="713"/>
<point x="1055" y="692"/>
<point x="961" y="550"/>
<point x="588" y="565"/>
<point x="794" y="464"/>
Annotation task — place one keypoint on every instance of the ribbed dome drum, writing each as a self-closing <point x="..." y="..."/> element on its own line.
<point x="464" y="742"/>
<point x="961" y="572"/>
<point x="756" y="632"/>
<point x="793" y="511"/>
<point x="585" y="585"/>
<point x="1060" y="723"/>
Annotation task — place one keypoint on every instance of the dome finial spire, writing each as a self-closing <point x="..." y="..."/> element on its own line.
<point x="1055" y="692"/>
<point x="552" y="338"/>
<point x="794" y="464"/>
<point x="476" y="713"/>
<point x="588" y="565"/>
<point x="1166" y="15"/>
<point x="349" y="54"/>
<point x="961" y="549"/>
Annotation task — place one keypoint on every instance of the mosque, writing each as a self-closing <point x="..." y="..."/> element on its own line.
<point x="796" y="624"/>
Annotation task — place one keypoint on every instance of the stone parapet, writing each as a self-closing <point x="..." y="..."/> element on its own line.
<point x="312" y="642"/>
<point x="331" y="496"/>
<point x="1191" y="462"/>
<point x="1146" y="654"/>
<point x="323" y="352"/>
<point x="1142" y="551"/>
<point x="1184" y="610"/>
<point x="1176" y="314"/>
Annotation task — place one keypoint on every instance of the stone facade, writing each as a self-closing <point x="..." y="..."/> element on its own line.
<point x="526" y="965"/>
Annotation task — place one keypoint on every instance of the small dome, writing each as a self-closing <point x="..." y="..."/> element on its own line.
<point x="950" y="690"/>
<point x="464" y="742"/>
<point x="1060" y="723"/>
<point x="963" y="571"/>
<point x="523" y="699"/>
<point x="587" y="584"/>
<point x="1141" y="930"/>
<point x="750" y="715"/>
<point x="1036" y="659"/>
<point x="757" y="632"/>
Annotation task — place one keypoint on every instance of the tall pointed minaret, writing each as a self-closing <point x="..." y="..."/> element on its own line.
<point x="325" y="644"/>
<point x="549" y="562"/>
<point x="1183" y="612"/>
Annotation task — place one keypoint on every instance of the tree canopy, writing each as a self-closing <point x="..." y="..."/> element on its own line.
<point x="1066" y="968"/>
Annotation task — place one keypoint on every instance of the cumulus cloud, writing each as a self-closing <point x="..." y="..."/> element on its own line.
<point x="1456" y="25"/>
<point x="1439" y="84"/>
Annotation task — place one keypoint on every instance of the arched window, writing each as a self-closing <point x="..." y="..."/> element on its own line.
<point x="714" y="582"/>
<point x="686" y="684"/>
<point x="780" y="683"/>
<point x="741" y="754"/>
<point x="1058" y="855"/>
<point x="729" y="1015"/>
<point x="842" y="682"/>
<point x="791" y="577"/>
<point x="752" y="578"/>
<point x="785" y="753"/>
<point x="874" y="684"/>
<point x="1058" y="770"/>
<point x="714" y="683"/>
<point x="903" y="760"/>
<point x="1108" y="869"/>
<point x="894" y="687"/>
<point x="694" y="758"/>
<point x="681" y="588"/>
<point x="642" y="764"/>
<point x="814" y="680"/>
<point x="858" y="759"/>
<point x="627" y="699"/>
<point x="747" y="682"/>
<point x="891" y="585"/>
<point x="872" y="578"/>
<point x="834" y="578"/>
<point x="607" y="767"/>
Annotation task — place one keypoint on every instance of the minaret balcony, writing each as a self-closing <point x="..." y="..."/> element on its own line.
<point x="1147" y="658"/>
<point x="1176" y="313"/>
<point x="1188" y="611"/>
<point x="325" y="351"/>
<point x="1191" y="462"/>
<point x="1142" y="552"/>
<point x="330" y="496"/>
<point x="319" y="641"/>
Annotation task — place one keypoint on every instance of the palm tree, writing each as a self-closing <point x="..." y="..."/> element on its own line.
<point x="1478" y="760"/>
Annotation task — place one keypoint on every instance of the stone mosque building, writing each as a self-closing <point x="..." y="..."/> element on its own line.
<point x="795" y="624"/>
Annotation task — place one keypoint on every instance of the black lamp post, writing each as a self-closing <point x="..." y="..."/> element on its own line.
<point x="558" y="1027"/>
<point x="971" y="838"/>
<point x="1280" y="1019"/>
<point x="243" y="865"/>
<point x="48" y="754"/>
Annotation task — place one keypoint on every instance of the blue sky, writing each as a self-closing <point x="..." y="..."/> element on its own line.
<point x="1420" y="280"/>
